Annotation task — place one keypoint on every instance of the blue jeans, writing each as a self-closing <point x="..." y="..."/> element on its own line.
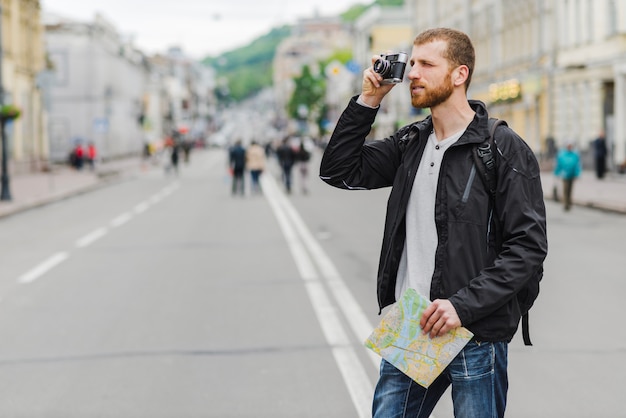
<point x="254" y="176"/>
<point x="287" y="177"/>
<point x="479" y="385"/>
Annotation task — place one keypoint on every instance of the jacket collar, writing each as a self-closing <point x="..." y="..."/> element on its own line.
<point x="477" y="131"/>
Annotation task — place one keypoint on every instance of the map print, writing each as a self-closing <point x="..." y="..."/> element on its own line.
<point x="399" y="340"/>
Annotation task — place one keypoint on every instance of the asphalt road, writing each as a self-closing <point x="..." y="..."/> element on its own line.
<point x="165" y="296"/>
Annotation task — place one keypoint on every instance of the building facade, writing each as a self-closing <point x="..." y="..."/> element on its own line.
<point x="23" y="62"/>
<point x="554" y="69"/>
<point x="590" y="74"/>
<point x="381" y="30"/>
<point x="97" y="89"/>
<point x="515" y="50"/>
<point x="102" y="89"/>
<point x="187" y="87"/>
<point x="313" y="41"/>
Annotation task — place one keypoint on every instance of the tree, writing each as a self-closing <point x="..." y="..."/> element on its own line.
<point x="307" y="100"/>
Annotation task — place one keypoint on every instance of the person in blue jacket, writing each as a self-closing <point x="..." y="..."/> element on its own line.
<point x="568" y="167"/>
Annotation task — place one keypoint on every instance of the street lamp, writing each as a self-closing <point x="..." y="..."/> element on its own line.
<point x="5" y="193"/>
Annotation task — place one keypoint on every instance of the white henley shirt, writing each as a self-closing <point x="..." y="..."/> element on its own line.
<point x="417" y="264"/>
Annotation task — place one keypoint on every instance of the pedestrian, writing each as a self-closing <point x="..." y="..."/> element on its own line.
<point x="91" y="155"/>
<point x="186" y="146"/>
<point x="174" y="156"/>
<point x="286" y="159"/>
<point x="599" y="155"/>
<point x="303" y="156"/>
<point x="568" y="167"/>
<point x="441" y="228"/>
<point x="79" y="156"/>
<point x="147" y="151"/>
<point x="255" y="162"/>
<point x="169" y="155"/>
<point x="237" y="159"/>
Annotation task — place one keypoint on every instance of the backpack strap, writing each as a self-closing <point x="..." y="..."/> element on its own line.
<point x="526" y="330"/>
<point x="485" y="161"/>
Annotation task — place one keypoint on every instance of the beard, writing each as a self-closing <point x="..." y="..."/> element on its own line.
<point x="435" y="96"/>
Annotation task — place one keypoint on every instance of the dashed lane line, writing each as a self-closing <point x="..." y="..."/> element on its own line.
<point x="88" y="239"/>
<point x="43" y="267"/>
<point x="91" y="237"/>
<point x="121" y="220"/>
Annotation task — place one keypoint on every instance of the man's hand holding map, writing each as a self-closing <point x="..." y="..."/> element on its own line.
<point x="399" y="340"/>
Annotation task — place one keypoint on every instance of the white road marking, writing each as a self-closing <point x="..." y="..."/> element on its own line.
<point x="347" y="303"/>
<point x="121" y="220"/>
<point x="356" y="379"/>
<point x="43" y="268"/>
<point x="141" y="207"/>
<point x="91" y="237"/>
<point x="155" y="199"/>
<point x="170" y="189"/>
<point x="351" y="309"/>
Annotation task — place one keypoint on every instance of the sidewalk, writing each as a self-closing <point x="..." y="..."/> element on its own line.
<point x="37" y="189"/>
<point x="608" y="194"/>
<point x="33" y="190"/>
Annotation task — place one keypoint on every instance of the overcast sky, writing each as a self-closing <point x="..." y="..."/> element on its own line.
<point x="200" y="27"/>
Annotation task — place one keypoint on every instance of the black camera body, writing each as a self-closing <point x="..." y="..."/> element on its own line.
<point x="391" y="67"/>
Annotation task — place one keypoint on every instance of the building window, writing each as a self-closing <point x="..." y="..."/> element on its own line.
<point x="578" y="27"/>
<point x="590" y="23"/>
<point x="611" y="26"/>
<point x="566" y="24"/>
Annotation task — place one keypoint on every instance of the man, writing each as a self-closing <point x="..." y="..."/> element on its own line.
<point x="439" y="232"/>
<point x="237" y="158"/>
<point x="286" y="159"/>
<point x="599" y="155"/>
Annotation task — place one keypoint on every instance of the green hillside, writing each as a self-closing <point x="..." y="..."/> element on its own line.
<point x="245" y="71"/>
<point x="248" y="69"/>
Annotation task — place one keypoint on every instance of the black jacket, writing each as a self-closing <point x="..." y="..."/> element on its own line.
<point x="480" y="281"/>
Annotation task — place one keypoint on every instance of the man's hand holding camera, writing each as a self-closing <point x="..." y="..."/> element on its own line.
<point x="386" y="71"/>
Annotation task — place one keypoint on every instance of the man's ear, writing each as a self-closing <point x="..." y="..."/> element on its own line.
<point x="459" y="75"/>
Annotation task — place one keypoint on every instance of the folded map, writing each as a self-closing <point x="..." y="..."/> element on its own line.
<point x="399" y="340"/>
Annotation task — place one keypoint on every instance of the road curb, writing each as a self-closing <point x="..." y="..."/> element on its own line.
<point x="101" y="182"/>
<point x="604" y="207"/>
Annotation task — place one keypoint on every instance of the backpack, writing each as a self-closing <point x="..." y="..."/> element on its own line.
<point x="485" y="161"/>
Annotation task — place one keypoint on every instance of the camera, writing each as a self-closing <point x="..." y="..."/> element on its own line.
<point x="391" y="67"/>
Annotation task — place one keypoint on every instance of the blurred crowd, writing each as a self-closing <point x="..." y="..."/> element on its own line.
<point x="292" y="155"/>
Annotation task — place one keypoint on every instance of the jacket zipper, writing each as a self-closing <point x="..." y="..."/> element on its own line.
<point x="468" y="186"/>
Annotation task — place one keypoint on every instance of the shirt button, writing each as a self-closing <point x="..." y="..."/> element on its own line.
<point x="436" y="146"/>
<point x="432" y="164"/>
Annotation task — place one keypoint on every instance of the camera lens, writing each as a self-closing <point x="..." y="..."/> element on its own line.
<point x="381" y="66"/>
